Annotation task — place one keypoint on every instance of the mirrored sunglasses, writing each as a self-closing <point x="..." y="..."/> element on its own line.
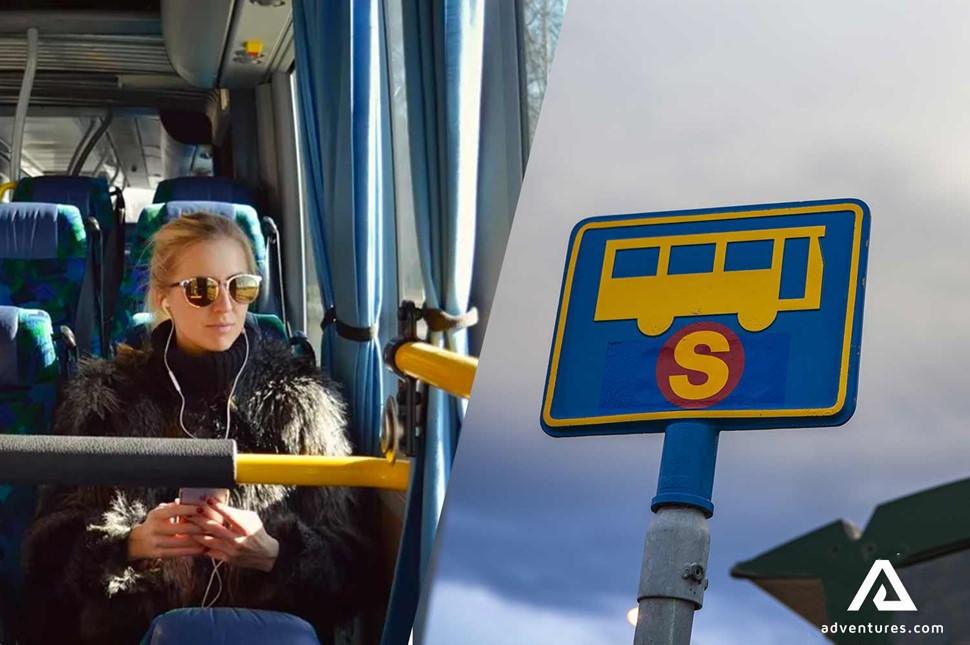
<point x="202" y="291"/>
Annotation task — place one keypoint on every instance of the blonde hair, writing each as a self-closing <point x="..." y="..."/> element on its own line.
<point x="178" y="235"/>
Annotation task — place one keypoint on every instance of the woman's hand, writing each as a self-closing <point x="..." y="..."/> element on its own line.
<point x="162" y="535"/>
<point x="244" y="543"/>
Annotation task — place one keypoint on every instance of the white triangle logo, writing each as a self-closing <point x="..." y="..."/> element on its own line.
<point x="905" y="603"/>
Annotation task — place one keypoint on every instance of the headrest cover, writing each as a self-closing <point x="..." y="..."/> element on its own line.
<point x="196" y="626"/>
<point x="26" y="346"/>
<point x="217" y="189"/>
<point x="180" y="208"/>
<point x="88" y="194"/>
<point x="35" y="231"/>
<point x="8" y="345"/>
<point x="244" y="216"/>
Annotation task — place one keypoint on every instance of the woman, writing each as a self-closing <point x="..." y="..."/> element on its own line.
<point x="100" y="563"/>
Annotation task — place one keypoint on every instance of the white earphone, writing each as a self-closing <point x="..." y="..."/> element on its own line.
<point x="178" y="389"/>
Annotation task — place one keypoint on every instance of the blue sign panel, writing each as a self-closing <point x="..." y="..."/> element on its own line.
<point x="745" y="317"/>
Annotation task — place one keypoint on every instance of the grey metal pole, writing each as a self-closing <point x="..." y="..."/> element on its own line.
<point x="673" y="577"/>
<point x="20" y="118"/>
<point x="85" y="147"/>
<point x="288" y="183"/>
<point x="674" y="573"/>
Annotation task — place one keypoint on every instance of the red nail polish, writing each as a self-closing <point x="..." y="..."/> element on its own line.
<point x="198" y="510"/>
<point x="211" y="501"/>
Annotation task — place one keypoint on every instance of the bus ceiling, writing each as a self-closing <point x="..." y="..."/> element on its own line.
<point x="230" y="44"/>
<point x="136" y="59"/>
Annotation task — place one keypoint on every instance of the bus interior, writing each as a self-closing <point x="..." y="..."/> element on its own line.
<point x="325" y="131"/>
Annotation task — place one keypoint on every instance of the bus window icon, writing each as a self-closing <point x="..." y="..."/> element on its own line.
<point x="753" y="294"/>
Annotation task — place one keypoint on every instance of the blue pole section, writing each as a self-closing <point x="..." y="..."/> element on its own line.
<point x="674" y="574"/>
<point x="687" y="466"/>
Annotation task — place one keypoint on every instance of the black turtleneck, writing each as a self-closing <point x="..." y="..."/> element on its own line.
<point x="201" y="376"/>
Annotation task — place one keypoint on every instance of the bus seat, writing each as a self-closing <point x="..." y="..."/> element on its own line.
<point x="28" y="386"/>
<point x="268" y="324"/>
<point x="131" y="295"/>
<point x="198" y="626"/>
<point x="44" y="265"/>
<point x="90" y="195"/>
<point x="211" y="189"/>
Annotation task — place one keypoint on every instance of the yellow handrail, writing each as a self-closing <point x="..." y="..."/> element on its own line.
<point x="305" y="470"/>
<point x="450" y="371"/>
<point x="10" y="185"/>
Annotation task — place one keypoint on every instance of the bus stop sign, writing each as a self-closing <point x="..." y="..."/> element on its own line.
<point x="745" y="317"/>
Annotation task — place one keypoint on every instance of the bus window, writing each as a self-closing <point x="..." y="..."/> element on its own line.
<point x="409" y="282"/>
<point x="540" y="22"/>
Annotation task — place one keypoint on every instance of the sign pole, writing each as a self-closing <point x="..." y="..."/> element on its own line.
<point x="674" y="573"/>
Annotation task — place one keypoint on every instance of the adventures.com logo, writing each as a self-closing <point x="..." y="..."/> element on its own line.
<point x="903" y="603"/>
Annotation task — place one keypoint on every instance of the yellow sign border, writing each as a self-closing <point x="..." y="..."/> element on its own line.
<point x="711" y="414"/>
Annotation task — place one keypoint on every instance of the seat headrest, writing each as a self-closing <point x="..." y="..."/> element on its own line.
<point x="180" y="208"/>
<point x="194" y="626"/>
<point x="35" y="231"/>
<point x="245" y="216"/>
<point x="216" y="189"/>
<point x="88" y="194"/>
<point x="26" y="346"/>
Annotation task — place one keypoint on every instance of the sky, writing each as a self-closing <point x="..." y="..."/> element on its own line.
<point x="656" y="105"/>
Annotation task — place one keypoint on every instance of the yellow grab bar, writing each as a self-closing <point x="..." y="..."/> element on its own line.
<point x="450" y="371"/>
<point x="10" y="185"/>
<point x="306" y="470"/>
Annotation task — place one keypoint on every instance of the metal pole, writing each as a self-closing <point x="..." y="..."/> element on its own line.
<point x="288" y="183"/>
<point x="80" y="144"/>
<point x="88" y="146"/>
<point x="20" y="118"/>
<point x="101" y="162"/>
<point x="674" y="573"/>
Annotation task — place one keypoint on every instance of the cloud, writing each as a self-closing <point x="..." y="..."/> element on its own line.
<point x="474" y="615"/>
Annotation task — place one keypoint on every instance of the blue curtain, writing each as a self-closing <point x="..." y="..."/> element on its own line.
<point x="501" y="159"/>
<point x="406" y="589"/>
<point x="443" y="61"/>
<point x="341" y="72"/>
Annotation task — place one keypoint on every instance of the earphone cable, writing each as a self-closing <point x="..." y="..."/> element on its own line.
<point x="215" y="563"/>
<point x="216" y="575"/>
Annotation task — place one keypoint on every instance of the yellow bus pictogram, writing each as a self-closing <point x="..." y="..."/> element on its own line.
<point x="753" y="294"/>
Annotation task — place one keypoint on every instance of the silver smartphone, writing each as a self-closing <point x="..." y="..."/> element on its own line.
<point x="198" y="496"/>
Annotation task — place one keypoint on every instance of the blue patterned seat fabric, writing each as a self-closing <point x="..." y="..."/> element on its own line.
<point x="91" y="196"/>
<point x="88" y="194"/>
<point x="131" y="296"/>
<point x="28" y="387"/>
<point x="43" y="265"/>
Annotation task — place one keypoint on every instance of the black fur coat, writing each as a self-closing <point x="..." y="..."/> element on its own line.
<point x="80" y="586"/>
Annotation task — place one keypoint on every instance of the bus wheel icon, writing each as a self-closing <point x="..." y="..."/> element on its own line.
<point x="654" y="324"/>
<point x="757" y="320"/>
